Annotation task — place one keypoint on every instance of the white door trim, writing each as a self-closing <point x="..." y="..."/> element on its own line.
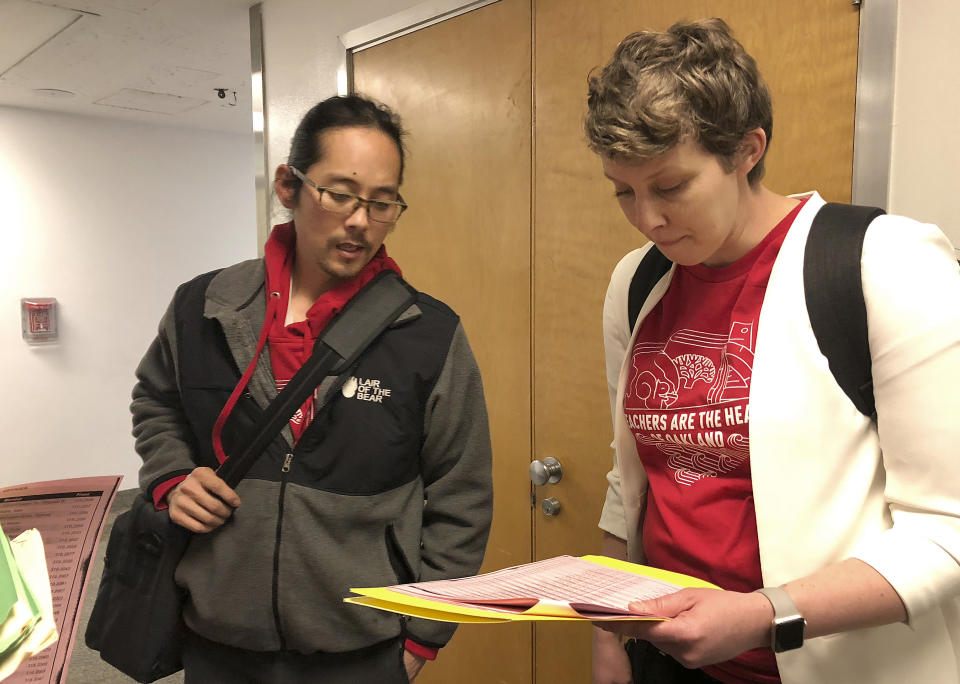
<point x="873" y="121"/>
<point x="400" y="24"/>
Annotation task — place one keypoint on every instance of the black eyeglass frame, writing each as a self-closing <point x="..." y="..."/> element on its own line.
<point x="357" y="199"/>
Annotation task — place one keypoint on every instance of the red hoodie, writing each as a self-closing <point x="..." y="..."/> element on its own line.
<point x="291" y="345"/>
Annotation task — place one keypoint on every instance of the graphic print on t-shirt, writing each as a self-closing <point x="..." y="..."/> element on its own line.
<point x="708" y="436"/>
<point x="304" y="414"/>
<point x="686" y="403"/>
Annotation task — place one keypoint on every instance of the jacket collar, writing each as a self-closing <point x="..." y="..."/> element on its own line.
<point x="236" y="299"/>
<point x="240" y="288"/>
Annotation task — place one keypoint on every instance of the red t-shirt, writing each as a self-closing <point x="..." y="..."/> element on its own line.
<point x="687" y="404"/>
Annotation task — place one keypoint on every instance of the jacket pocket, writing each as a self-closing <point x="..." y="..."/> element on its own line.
<point x="398" y="559"/>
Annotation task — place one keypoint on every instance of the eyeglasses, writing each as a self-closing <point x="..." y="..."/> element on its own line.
<point x="346" y="203"/>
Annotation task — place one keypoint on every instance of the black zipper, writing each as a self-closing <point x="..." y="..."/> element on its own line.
<point x="284" y="469"/>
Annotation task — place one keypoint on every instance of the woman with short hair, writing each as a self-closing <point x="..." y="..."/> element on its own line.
<point x="738" y="458"/>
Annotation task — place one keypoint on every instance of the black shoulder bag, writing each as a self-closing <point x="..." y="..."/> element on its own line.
<point x="136" y="622"/>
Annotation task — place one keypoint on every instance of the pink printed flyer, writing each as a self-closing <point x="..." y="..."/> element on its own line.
<point x="70" y="515"/>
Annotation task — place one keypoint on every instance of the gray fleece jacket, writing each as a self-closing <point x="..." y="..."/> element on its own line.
<point x="390" y="483"/>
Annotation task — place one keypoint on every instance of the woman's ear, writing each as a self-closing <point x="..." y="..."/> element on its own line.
<point x="752" y="147"/>
<point x="286" y="186"/>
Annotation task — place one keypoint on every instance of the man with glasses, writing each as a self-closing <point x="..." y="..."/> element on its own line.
<point x="386" y="481"/>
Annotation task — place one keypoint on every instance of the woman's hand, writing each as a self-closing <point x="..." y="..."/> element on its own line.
<point x="202" y="502"/>
<point x="610" y="662"/>
<point x="707" y="626"/>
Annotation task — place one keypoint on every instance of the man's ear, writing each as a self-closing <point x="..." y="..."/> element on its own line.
<point x="752" y="147"/>
<point x="286" y="186"/>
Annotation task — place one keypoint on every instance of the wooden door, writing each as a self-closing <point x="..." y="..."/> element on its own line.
<point x="463" y="90"/>
<point x="525" y="258"/>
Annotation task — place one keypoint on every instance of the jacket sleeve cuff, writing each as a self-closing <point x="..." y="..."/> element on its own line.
<point x="919" y="569"/>
<point x="420" y="650"/>
<point x="161" y="490"/>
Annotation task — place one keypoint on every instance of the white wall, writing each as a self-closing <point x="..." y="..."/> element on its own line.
<point x="924" y="175"/>
<point x="108" y="217"/>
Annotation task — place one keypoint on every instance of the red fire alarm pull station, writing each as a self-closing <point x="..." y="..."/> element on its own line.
<point x="38" y="319"/>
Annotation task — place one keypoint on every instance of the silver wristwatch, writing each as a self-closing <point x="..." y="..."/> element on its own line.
<point x="786" y="630"/>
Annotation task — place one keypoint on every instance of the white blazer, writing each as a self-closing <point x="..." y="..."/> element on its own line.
<point x="827" y="485"/>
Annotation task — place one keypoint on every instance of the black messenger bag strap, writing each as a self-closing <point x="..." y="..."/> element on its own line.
<point x="359" y="323"/>
<point x="834" y="295"/>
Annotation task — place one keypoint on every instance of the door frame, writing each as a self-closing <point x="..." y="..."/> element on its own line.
<point x="394" y="26"/>
<point x="261" y="179"/>
<point x="873" y="118"/>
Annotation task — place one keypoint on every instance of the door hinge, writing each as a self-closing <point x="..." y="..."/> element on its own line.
<point x="856" y="3"/>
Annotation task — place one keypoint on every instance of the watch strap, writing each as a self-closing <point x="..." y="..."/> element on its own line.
<point x="783" y="605"/>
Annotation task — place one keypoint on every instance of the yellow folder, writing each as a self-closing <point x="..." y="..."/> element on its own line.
<point x="387" y="598"/>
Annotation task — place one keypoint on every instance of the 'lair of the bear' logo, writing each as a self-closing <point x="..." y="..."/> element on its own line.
<point x="365" y="389"/>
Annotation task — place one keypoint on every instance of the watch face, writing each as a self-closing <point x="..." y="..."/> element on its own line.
<point x="789" y="634"/>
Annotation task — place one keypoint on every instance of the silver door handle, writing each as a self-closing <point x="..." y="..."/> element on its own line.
<point x="547" y="470"/>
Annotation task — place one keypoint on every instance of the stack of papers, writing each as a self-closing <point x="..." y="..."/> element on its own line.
<point x="594" y="588"/>
<point x="70" y="516"/>
<point x="26" y="602"/>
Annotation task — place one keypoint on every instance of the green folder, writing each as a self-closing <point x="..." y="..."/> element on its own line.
<point x="18" y="606"/>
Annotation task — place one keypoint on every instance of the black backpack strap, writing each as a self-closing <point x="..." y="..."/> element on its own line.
<point x="649" y="271"/>
<point x="834" y="295"/>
